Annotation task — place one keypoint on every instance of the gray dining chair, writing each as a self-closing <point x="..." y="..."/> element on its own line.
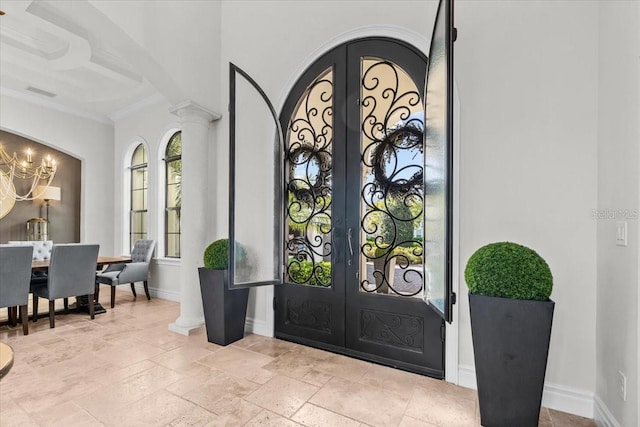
<point x="135" y="271"/>
<point x="72" y="272"/>
<point x="15" y="275"/>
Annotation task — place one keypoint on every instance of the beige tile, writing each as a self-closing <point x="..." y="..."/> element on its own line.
<point x="441" y="409"/>
<point x="12" y="414"/>
<point x="110" y="374"/>
<point x="544" y="419"/>
<point x="315" y="416"/>
<point x="273" y="347"/>
<point x="394" y="380"/>
<point x="240" y="363"/>
<point x="219" y="392"/>
<point x="269" y="419"/>
<point x="126" y="368"/>
<point x="75" y="367"/>
<point x="197" y="369"/>
<point x="316" y="378"/>
<point x="292" y="364"/>
<point x="126" y="353"/>
<point x="412" y="422"/>
<point x="236" y="412"/>
<point x="443" y="387"/>
<point x="157" y="409"/>
<point x="56" y="414"/>
<point x="76" y="419"/>
<point x="367" y="404"/>
<point x="282" y="395"/>
<point x="51" y="393"/>
<point x="160" y="336"/>
<point x="193" y="382"/>
<point x="562" y="419"/>
<point x="249" y="340"/>
<point x="119" y="396"/>
<point x="180" y="357"/>
<point x="195" y="417"/>
<point x="342" y="366"/>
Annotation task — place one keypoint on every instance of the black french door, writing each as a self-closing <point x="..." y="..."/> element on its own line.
<point x="354" y="275"/>
<point x="348" y="210"/>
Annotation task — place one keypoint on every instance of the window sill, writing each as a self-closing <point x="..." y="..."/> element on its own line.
<point x="167" y="261"/>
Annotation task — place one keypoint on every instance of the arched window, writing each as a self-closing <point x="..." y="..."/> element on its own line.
<point x="173" y="195"/>
<point x="138" y="215"/>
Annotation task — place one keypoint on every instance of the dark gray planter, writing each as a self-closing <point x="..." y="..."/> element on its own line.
<point x="510" y="344"/>
<point x="225" y="310"/>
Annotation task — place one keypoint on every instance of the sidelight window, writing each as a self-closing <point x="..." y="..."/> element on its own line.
<point x="138" y="213"/>
<point x="173" y="195"/>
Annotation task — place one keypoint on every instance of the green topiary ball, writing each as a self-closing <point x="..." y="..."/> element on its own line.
<point x="508" y="270"/>
<point x="216" y="256"/>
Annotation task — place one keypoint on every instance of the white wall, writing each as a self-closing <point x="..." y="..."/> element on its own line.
<point x="88" y="140"/>
<point x="528" y="91"/>
<point x="152" y="125"/>
<point x="618" y="189"/>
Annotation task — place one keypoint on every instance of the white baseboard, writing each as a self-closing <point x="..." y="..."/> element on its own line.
<point x="602" y="416"/>
<point x="160" y="293"/>
<point x="258" y="327"/>
<point x="555" y="396"/>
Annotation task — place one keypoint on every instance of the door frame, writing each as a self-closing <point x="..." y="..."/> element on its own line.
<point x="264" y="295"/>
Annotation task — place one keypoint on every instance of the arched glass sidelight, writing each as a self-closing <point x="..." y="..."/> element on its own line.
<point x="138" y="214"/>
<point x="173" y="195"/>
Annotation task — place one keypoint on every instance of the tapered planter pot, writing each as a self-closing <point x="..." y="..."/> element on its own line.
<point x="225" y="310"/>
<point x="510" y="344"/>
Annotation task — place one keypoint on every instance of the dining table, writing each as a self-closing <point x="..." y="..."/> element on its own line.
<point x="82" y="301"/>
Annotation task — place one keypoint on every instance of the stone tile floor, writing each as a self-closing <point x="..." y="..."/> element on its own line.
<point x="126" y="369"/>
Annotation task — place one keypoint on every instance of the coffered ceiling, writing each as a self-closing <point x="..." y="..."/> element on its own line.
<point x="69" y="55"/>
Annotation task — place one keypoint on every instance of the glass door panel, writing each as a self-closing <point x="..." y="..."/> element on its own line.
<point x="255" y="186"/>
<point x="308" y="177"/>
<point x="438" y="164"/>
<point x="391" y="197"/>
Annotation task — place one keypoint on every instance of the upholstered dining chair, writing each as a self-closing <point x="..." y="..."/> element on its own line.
<point x="72" y="272"/>
<point x="135" y="271"/>
<point x="41" y="252"/>
<point x="15" y="275"/>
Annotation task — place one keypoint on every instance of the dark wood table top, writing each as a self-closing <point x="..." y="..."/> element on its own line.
<point x="102" y="261"/>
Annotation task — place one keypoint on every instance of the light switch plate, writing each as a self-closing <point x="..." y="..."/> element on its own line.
<point x="621" y="233"/>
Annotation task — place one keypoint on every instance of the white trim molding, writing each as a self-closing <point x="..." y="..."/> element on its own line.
<point x="258" y="327"/>
<point x="555" y="396"/>
<point x="603" y="417"/>
<point x="165" y="294"/>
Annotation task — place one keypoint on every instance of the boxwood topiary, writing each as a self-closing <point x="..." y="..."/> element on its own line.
<point x="508" y="270"/>
<point x="216" y="255"/>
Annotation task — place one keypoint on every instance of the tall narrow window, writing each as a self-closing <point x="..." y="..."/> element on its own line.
<point x="173" y="195"/>
<point x="139" y="197"/>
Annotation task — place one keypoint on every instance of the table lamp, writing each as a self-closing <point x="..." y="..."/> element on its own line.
<point x="48" y="193"/>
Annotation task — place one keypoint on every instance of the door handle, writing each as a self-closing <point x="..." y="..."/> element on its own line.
<point x="349" y="240"/>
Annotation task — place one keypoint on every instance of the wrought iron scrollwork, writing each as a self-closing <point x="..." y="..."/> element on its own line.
<point x="309" y="186"/>
<point x="393" y="195"/>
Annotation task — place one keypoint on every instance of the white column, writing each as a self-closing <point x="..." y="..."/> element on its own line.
<point x="195" y="121"/>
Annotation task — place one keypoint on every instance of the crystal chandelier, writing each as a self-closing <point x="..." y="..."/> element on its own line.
<point x="22" y="179"/>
